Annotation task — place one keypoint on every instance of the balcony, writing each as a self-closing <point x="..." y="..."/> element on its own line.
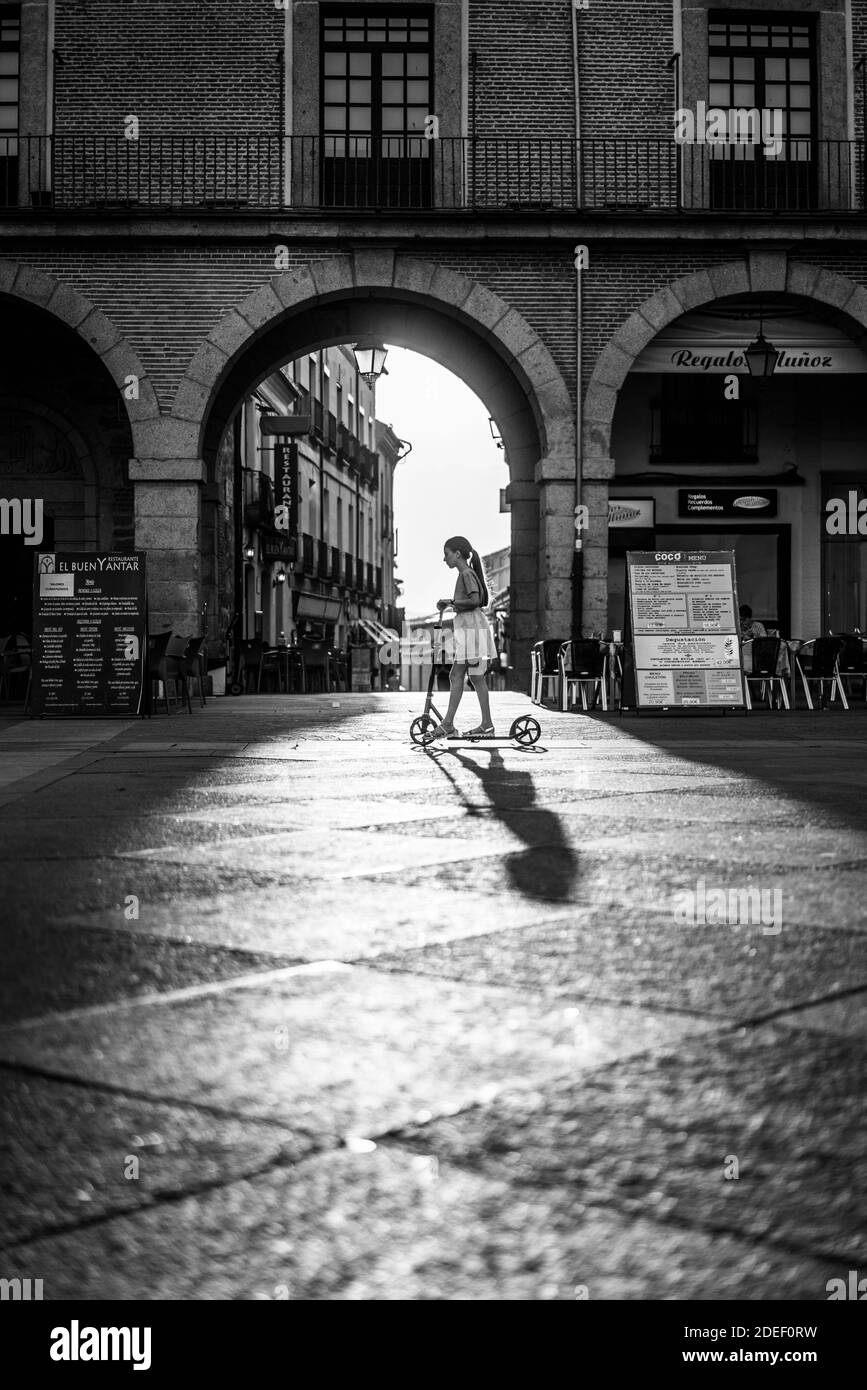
<point x="258" y="499"/>
<point x="330" y="429"/>
<point x="334" y="571"/>
<point x="496" y="175"/>
<point x="368" y="468"/>
<point x="322" y="559"/>
<point x="349" y="570"/>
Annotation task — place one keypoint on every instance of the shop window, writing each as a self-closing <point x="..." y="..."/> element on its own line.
<point x="766" y="64"/>
<point x="692" y="422"/>
<point x="376" y="95"/>
<point x="844" y="553"/>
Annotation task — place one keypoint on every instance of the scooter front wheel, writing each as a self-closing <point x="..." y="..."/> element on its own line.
<point x="526" y="730"/>
<point x="421" y="730"/>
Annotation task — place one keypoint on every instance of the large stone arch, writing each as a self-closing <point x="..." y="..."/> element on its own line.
<point x="758" y="272"/>
<point x="451" y="318"/>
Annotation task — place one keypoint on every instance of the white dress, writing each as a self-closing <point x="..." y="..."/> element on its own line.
<point x="474" y="637"/>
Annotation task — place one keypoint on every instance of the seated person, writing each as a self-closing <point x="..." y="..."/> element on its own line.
<point x="748" y="627"/>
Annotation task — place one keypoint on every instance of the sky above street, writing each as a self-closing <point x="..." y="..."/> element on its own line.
<point x="450" y="483"/>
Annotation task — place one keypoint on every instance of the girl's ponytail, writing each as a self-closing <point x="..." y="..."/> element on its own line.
<point x="478" y="570"/>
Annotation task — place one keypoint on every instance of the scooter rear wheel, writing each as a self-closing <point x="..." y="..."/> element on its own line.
<point x="421" y="730"/>
<point x="526" y="730"/>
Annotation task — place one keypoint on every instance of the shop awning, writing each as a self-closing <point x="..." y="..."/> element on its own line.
<point x="377" y="631"/>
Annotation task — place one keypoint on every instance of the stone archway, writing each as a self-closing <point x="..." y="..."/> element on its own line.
<point x="759" y="272"/>
<point x="445" y="315"/>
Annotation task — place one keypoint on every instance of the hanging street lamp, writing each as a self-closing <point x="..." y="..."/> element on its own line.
<point x="761" y="356"/>
<point x="370" y="358"/>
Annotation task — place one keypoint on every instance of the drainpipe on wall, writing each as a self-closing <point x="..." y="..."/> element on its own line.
<point x="578" y="552"/>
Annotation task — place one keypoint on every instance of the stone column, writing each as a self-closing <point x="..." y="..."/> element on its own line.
<point x="168" y="526"/>
<point x="594" y="495"/>
<point x="555" y="475"/>
<point x="523" y="579"/>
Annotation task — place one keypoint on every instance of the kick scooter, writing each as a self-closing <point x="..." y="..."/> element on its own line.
<point x="525" y="730"/>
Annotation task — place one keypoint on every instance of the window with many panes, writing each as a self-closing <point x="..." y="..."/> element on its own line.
<point x="376" y="96"/>
<point x="764" y="63"/>
<point x="767" y="66"/>
<point x="10" y="46"/>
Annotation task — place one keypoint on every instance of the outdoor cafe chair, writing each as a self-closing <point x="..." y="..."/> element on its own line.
<point x="194" y="659"/>
<point x="583" y="667"/>
<point x="166" y="666"/>
<point x="818" y="664"/>
<point x="296" y="676"/>
<point x="546" y="669"/>
<point x="765" y="654"/>
<point x="852" y="661"/>
<point x="256" y="660"/>
<point x="317" y="667"/>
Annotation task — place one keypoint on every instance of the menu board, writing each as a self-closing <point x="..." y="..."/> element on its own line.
<point x="89" y="633"/>
<point x="684" y="627"/>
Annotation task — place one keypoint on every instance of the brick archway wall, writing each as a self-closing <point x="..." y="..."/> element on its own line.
<point x="30" y="286"/>
<point x="759" y="272"/>
<point x="454" y="320"/>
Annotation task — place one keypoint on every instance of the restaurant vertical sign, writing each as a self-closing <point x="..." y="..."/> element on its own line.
<point x="286" y="486"/>
<point x="89" y="633"/>
<point x="685" y="629"/>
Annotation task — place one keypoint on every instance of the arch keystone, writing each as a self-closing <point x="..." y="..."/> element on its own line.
<point x="767" y="271"/>
<point x="374" y="267"/>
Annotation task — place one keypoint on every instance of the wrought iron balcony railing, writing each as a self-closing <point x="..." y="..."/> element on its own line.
<point x="483" y="174"/>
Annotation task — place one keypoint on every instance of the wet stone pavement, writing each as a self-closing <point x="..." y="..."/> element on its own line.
<point x="294" y="1009"/>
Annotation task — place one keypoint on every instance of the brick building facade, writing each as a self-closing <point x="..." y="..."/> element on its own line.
<point x="194" y="194"/>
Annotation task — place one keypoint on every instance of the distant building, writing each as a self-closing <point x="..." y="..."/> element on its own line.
<point x="331" y="572"/>
<point x="497" y="568"/>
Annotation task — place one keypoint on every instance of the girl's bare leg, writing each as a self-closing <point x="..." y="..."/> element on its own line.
<point x="479" y="684"/>
<point x="456" y="690"/>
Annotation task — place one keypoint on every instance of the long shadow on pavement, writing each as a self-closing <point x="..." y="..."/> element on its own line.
<point x="547" y="869"/>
